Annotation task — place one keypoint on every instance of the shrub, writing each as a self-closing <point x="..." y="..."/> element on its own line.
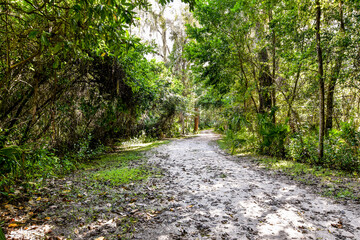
<point x="303" y="148"/>
<point x="10" y="158"/>
<point x="42" y="163"/>
<point x="235" y="139"/>
<point x="273" y="136"/>
<point x="20" y="166"/>
<point x="341" y="148"/>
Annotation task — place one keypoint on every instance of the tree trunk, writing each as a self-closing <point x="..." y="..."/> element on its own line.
<point x="265" y="82"/>
<point x="321" y="82"/>
<point x="273" y="75"/>
<point x="334" y="76"/>
<point x="182" y="121"/>
<point x="53" y="108"/>
<point x="196" y="120"/>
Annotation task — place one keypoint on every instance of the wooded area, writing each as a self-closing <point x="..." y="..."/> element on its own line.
<point x="284" y="76"/>
<point x="88" y="87"/>
<point x="279" y="78"/>
<point x="74" y="80"/>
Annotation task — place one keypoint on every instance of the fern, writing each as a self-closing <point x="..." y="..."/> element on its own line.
<point x="9" y="158"/>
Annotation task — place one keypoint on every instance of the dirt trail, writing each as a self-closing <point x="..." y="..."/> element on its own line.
<point x="211" y="196"/>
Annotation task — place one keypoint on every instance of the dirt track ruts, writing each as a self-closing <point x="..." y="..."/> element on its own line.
<point x="209" y="196"/>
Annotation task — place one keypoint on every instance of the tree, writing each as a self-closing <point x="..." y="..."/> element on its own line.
<point x="335" y="72"/>
<point x="321" y="82"/>
<point x="263" y="57"/>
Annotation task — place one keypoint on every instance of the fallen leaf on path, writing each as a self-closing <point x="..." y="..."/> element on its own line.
<point x="9" y="207"/>
<point x="13" y="225"/>
<point x="100" y="238"/>
<point x="337" y="225"/>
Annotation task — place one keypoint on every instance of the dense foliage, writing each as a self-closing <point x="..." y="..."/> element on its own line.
<point x="73" y="80"/>
<point x="283" y="76"/>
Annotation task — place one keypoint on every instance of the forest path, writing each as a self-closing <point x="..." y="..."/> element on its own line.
<point x="208" y="195"/>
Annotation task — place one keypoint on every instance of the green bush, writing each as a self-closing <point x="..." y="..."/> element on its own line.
<point x="87" y="147"/>
<point x="19" y="166"/>
<point x="42" y="163"/>
<point x="235" y="140"/>
<point x="349" y="134"/>
<point x="273" y="136"/>
<point x="341" y="148"/>
<point x="303" y="148"/>
<point x="10" y="158"/>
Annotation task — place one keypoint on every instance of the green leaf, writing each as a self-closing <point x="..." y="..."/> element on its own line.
<point x="76" y="8"/>
<point x="44" y="40"/>
<point x="57" y="47"/>
<point x="56" y="63"/>
<point x="33" y="34"/>
<point x="11" y="152"/>
<point x="2" y="235"/>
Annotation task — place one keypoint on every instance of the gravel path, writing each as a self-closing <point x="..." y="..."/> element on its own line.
<point x="208" y="195"/>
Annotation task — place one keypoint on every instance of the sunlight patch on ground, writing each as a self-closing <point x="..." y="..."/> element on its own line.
<point x="134" y="146"/>
<point x="31" y="232"/>
<point x="86" y="231"/>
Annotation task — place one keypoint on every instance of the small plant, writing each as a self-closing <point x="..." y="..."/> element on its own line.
<point x="273" y="136"/>
<point x="235" y="140"/>
<point x="20" y="166"/>
<point x="121" y="175"/>
<point x="345" y="193"/>
<point x="10" y="159"/>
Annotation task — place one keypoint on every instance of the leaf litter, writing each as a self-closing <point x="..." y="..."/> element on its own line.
<point x="81" y="207"/>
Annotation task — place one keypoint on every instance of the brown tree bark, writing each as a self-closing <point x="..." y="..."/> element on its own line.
<point x="273" y="75"/>
<point x="334" y="77"/>
<point x="196" y="120"/>
<point x="321" y="82"/>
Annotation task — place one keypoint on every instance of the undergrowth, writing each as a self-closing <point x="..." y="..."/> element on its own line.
<point x="341" y="146"/>
<point x="118" y="168"/>
<point x="121" y="175"/>
<point x="24" y="170"/>
<point x="337" y="183"/>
